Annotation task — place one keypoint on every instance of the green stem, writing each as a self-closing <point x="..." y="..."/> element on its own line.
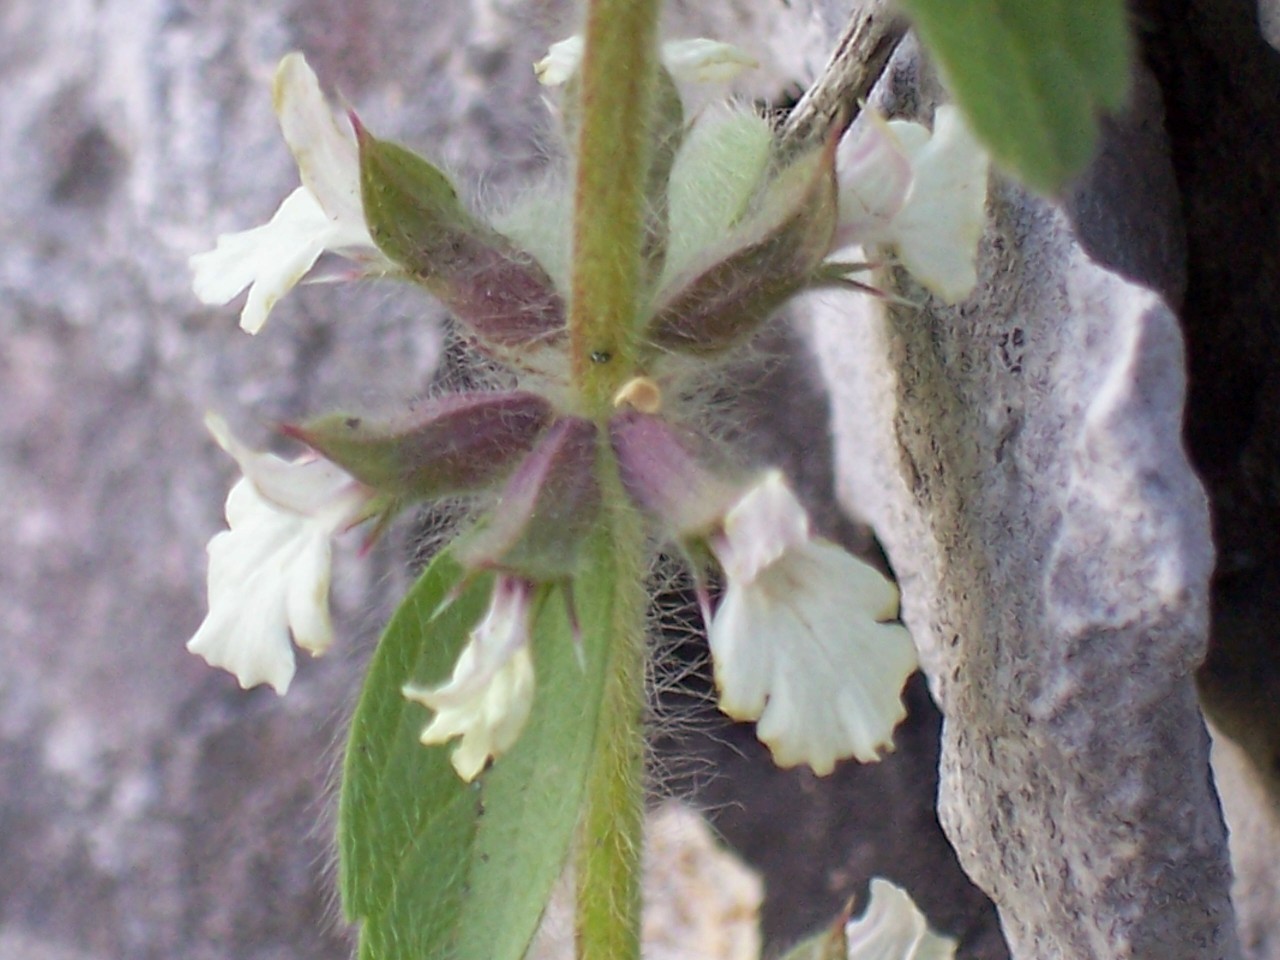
<point x="612" y="826"/>
<point x="617" y="87"/>
<point x="618" y="80"/>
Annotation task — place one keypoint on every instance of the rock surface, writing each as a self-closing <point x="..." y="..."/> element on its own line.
<point x="1021" y="457"/>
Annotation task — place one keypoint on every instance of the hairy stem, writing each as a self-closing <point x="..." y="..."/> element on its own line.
<point x="618" y="81"/>
<point x="617" y="89"/>
<point x="612" y="825"/>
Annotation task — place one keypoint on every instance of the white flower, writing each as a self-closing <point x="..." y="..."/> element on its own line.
<point x="923" y="193"/>
<point x="693" y="61"/>
<point x="487" y="700"/>
<point x="325" y="213"/>
<point x="893" y="928"/>
<point x="798" y="641"/>
<point x="705" y="61"/>
<point x="269" y="573"/>
<point x="561" y="62"/>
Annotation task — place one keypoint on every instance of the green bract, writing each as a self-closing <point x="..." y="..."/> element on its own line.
<point x="772" y="253"/>
<point x="499" y="292"/>
<point x="456" y="444"/>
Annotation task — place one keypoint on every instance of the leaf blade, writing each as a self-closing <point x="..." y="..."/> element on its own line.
<point x="434" y="867"/>
<point x="533" y="795"/>
<point x="1031" y="75"/>
<point x="398" y="795"/>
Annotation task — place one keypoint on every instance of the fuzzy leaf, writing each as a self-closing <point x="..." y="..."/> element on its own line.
<point x="533" y="795"/>
<point x="416" y="218"/>
<point x="406" y="822"/>
<point x="733" y="288"/>
<point x="1031" y="75"/>
<point x="454" y="444"/>
<point x="433" y="867"/>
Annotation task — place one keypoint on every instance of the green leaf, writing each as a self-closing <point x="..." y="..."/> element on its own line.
<point x="1031" y="75"/>
<point x="533" y="795"/>
<point x="433" y="867"/>
<point x="416" y="218"/>
<point x="406" y="822"/>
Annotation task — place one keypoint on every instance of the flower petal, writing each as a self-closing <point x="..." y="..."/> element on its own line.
<point x="938" y="230"/>
<point x="701" y="60"/>
<point x="875" y="176"/>
<point x="307" y="596"/>
<point x="893" y="928"/>
<point x="561" y="62"/>
<point x="268" y="576"/>
<point x="491" y="724"/>
<point x="269" y="260"/>
<point x="325" y="213"/>
<point x="694" y="61"/>
<point x="326" y="155"/>
<point x="503" y="631"/>
<point x="311" y="486"/>
<point x="488" y="698"/>
<point x="761" y="527"/>
<point x="801" y="651"/>
<point x="798" y="641"/>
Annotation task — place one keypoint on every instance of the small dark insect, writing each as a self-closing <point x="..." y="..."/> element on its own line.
<point x="601" y="356"/>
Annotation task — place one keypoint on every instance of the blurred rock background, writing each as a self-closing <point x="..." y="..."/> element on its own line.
<point x="148" y="807"/>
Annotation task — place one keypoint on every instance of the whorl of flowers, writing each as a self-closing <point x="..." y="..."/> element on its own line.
<point x="804" y="640"/>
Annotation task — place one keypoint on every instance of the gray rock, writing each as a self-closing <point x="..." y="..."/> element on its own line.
<point x="1269" y="21"/>
<point x="1020" y="456"/>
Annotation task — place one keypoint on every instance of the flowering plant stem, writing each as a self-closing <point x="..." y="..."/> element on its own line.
<point x="617" y="84"/>
<point x="617" y="89"/>
<point x="612" y="825"/>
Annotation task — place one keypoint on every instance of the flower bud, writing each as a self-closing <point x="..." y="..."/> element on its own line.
<point x="736" y="286"/>
<point x="416" y="218"/>
<point x="547" y="508"/>
<point x="450" y="445"/>
<point x="663" y="470"/>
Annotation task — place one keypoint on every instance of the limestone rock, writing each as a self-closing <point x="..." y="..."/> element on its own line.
<point x="1020" y="456"/>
